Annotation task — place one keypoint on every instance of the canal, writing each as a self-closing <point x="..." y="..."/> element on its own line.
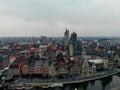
<point x="103" y="84"/>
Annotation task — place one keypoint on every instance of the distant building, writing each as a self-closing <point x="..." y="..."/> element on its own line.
<point x="83" y="51"/>
<point x="71" y="50"/>
<point x="66" y="38"/>
<point x="73" y="37"/>
<point x="75" y="43"/>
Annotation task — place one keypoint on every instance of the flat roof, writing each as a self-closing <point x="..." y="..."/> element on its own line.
<point x="96" y="61"/>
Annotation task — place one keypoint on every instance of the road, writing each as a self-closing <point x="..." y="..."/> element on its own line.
<point x="40" y="83"/>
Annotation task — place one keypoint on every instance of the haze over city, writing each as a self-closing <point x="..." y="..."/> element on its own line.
<point x="51" y="17"/>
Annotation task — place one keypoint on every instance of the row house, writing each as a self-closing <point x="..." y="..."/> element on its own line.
<point x="93" y="68"/>
<point x="89" y="65"/>
<point x="62" y="71"/>
<point x="45" y="69"/>
<point x="37" y="67"/>
<point x="75" y="70"/>
<point x="108" y="64"/>
<point x="84" y="65"/>
<point x="116" y="59"/>
<point x="52" y="71"/>
<point x="85" y="68"/>
<point x="30" y="70"/>
<point x="30" y="67"/>
<point x="14" y="69"/>
<point x="105" y="61"/>
<point x="24" y="69"/>
<point x="98" y="63"/>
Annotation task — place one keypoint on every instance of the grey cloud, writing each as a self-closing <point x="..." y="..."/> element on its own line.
<point x="86" y="17"/>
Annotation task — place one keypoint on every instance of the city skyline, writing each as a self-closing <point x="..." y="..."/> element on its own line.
<point x="50" y="18"/>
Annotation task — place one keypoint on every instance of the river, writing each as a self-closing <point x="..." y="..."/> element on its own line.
<point x="102" y="84"/>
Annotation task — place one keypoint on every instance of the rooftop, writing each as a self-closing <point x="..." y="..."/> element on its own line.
<point x="96" y="61"/>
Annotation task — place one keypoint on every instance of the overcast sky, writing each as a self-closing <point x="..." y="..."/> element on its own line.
<point x="51" y="17"/>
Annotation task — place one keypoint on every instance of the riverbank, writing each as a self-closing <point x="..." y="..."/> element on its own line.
<point x="38" y="83"/>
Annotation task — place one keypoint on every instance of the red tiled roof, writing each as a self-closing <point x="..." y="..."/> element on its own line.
<point x="118" y="46"/>
<point x="54" y="48"/>
<point x="61" y="48"/>
<point x="11" y="57"/>
<point x="27" y="56"/>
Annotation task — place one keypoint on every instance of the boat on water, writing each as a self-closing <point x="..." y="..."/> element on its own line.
<point x="28" y="87"/>
<point x="57" y="85"/>
<point x="76" y="89"/>
<point x="20" y="88"/>
<point x="46" y="86"/>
